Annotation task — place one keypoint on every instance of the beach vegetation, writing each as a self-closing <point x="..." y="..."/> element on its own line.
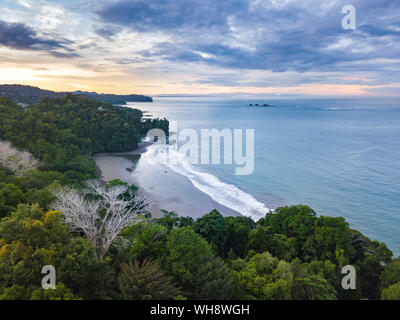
<point x="104" y="244"/>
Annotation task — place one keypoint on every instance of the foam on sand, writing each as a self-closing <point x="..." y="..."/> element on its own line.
<point x="225" y="194"/>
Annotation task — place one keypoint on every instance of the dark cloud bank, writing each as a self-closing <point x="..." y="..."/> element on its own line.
<point x="299" y="35"/>
<point x="21" y="37"/>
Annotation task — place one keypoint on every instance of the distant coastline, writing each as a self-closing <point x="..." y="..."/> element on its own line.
<point x="28" y="95"/>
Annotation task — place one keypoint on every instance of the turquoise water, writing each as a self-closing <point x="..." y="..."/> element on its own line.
<point x="341" y="157"/>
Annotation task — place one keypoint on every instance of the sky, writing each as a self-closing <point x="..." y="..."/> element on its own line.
<point x="154" y="47"/>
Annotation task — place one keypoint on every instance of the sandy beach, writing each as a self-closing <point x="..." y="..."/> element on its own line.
<point x="164" y="188"/>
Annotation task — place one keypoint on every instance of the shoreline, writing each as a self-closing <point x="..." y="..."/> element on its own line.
<point x="163" y="187"/>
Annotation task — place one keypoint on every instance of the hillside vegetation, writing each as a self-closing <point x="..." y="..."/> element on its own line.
<point x="28" y="95"/>
<point x="64" y="133"/>
<point x="104" y="245"/>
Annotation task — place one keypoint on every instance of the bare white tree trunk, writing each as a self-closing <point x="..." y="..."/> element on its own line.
<point x="100" y="213"/>
<point x="20" y="162"/>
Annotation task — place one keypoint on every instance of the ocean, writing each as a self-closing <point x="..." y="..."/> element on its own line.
<point x="339" y="156"/>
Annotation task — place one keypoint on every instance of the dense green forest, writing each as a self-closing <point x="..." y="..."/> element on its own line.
<point x="290" y="254"/>
<point x="29" y="95"/>
<point x="114" y="98"/>
<point x="64" y="133"/>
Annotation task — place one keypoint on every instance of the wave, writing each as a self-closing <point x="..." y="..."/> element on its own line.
<point x="226" y="194"/>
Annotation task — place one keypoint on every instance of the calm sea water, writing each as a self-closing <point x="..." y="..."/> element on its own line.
<point x="341" y="157"/>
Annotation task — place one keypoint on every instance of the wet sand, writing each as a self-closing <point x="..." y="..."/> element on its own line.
<point x="164" y="188"/>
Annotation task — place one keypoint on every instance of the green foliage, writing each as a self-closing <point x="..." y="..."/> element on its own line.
<point x="369" y="273"/>
<point x="236" y="234"/>
<point x="314" y="281"/>
<point x="264" y="277"/>
<point x="43" y="197"/>
<point x="148" y="240"/>
<point x="30" y="239"/>
<point x="333" y="235"/>
<point x="15" y="292"/>
<point x="10" y="114"/>
<point x="312" y="237"/>
<point x="59" y="293"/>
<point x="296" y="221"/>
<point x="171" y="220"/>
<point x="392" y="292"/>
<point x="38" y="180"/>
<point x="10" y="197"/>
<point x="314" y="287"/>
<point x="86" y="276"/>
<point x="64" y="132"/>
<point x="391" y="274"/>
<point x="261" y="239"/>
<point x="212" y="227"/>
<point x="191" y="261"/>
<point x="31" y="95"/>
<point x="149" y="124"/>
<point x="145" y="281"/>
<point x="290" y="254"/>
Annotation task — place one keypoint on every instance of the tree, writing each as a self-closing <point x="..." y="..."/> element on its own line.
<point x="100" y="213"/>
<point x="370" y="260"/>
<point x="261" y="239"/>
<point x="310" y="280"/>
<point x="59" y="293"/>
<point x="10" y="197"/>
<point x="333" y="235"/>
<point x="391" y="274"/>
<point x="369" y="271"/>
<point x="392" y="292"/>
<point x="12" y="194"/>
<point x="195" y="268"/>
<point x="236" y="235"/>
<point x="63" y="133"/>
<point x="87" y="277"/>
<point x="310" y="236"/>
<point x="171" y="220"/>
<point x="20" y="162"/>
<point x="313" y="287"/>
<point x="148" y="240"/>
<point x="30" y="239"/>
<point x="145" y="281"/>
<point x="264" y="277"/>
<point x="283" y="247"/>
<point x="296" y="222"/>
<point x="212" y="227"/>
<point x="15" y="292"/>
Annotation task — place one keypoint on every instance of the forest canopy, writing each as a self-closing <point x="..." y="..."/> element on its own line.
<point x="291" y="253"/>
<point x="64" y="133"/>
<point x="28" y="95"/>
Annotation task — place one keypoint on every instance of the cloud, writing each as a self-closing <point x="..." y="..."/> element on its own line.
<point x="207" y="44"/>
<point x="263" y="34"/>
<point x="24" y="4"/>
<point x="108" y="32"/>
<point x="170" y="15"/>
<point x="21" y="37"/>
